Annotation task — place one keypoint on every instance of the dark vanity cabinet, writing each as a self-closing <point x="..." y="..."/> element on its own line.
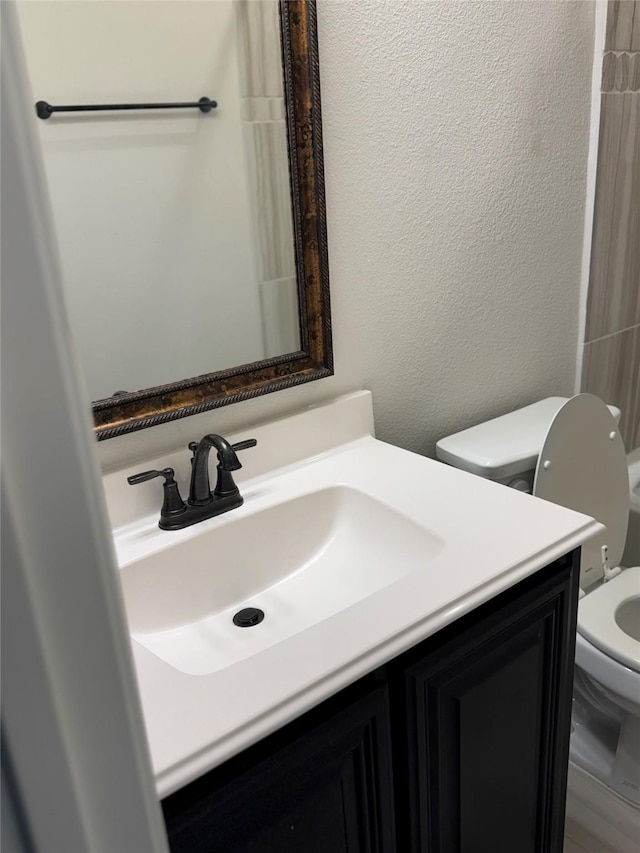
<point x="460" y="745"/>
<point x="483" y="719"/>
<point x="324" y="783"/>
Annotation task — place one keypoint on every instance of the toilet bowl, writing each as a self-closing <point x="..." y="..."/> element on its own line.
<point x="631" y="556"/>
<point x="570" y="452"/>
<point x="607" y="657"/>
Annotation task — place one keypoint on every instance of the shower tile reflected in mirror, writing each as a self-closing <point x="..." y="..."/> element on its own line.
<point x="266" y="150"/>
<point x="279" y="307"/>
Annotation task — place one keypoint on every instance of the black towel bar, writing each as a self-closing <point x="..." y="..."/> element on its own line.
<point x="45" y="110"/>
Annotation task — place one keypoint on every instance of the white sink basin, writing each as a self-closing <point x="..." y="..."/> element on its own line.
<point x="355" y="550"/>
<point x="299" y="561"/>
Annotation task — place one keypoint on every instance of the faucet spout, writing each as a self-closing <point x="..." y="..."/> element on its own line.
<point x="202" y="503"/>
<point x="200" y="489"/>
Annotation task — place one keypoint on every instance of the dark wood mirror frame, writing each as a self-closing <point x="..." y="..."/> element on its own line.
<point x="152" y="406"/>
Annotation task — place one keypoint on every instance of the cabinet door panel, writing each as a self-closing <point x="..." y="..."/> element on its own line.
<point x="488" y="716"/>
<point x="325" y="791"/>
<point x="500" y="708"/>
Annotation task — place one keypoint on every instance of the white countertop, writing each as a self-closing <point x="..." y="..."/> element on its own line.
<point x="493" y="537"/>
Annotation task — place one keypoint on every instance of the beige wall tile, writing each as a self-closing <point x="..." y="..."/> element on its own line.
<point x="634" y="74"/>
<point x="620" y="72"/>
<point x="623" y="25"/>
<point x="609" y="64"/>
<point x="614" y="285"/>
<point x="611" y="370"/>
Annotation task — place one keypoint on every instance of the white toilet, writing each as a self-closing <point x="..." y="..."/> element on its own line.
<point x="570" y="452"/>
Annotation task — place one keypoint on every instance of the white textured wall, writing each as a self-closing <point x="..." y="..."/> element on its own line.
<point x="456" y="138"/>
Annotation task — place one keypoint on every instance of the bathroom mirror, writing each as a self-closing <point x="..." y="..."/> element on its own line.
<point x="193" y="246"/>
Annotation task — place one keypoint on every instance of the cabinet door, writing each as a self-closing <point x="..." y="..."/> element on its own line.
<point x="324" y="789"/>
<point x="488" y="723"/>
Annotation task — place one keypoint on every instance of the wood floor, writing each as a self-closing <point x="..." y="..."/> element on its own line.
<point x="598" y="821"/>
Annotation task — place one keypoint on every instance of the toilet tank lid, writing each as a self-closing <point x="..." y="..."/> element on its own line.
<point x="505" y="446"/>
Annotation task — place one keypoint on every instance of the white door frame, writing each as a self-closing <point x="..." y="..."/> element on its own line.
<point x="76" y="762"/>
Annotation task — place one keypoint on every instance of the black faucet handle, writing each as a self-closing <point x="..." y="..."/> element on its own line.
<point x="225" y="484"/>
<point x="244" y="445"/>
<point x="172" y="503"/>
<point x="167" y="473"/>
<point x="193" y="447"/>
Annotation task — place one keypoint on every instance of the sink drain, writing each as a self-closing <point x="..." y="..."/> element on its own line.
<point x="248" y="617"/>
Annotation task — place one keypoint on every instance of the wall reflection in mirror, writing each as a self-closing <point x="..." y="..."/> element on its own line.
<point x="174" y="227"/>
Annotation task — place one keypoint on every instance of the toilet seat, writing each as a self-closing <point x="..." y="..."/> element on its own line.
<point x="621" y="682"/>
<point x="583" y="466"/>
<point x="597" y="622"/>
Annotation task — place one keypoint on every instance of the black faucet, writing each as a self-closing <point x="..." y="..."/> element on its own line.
<point x="202" y="502"/>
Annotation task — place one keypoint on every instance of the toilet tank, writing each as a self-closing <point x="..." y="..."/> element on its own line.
<point x="505" y="449"/>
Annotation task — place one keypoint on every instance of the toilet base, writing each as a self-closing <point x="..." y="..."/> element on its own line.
<point x="606" y="746"/>
<point x="625" y="772"/>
